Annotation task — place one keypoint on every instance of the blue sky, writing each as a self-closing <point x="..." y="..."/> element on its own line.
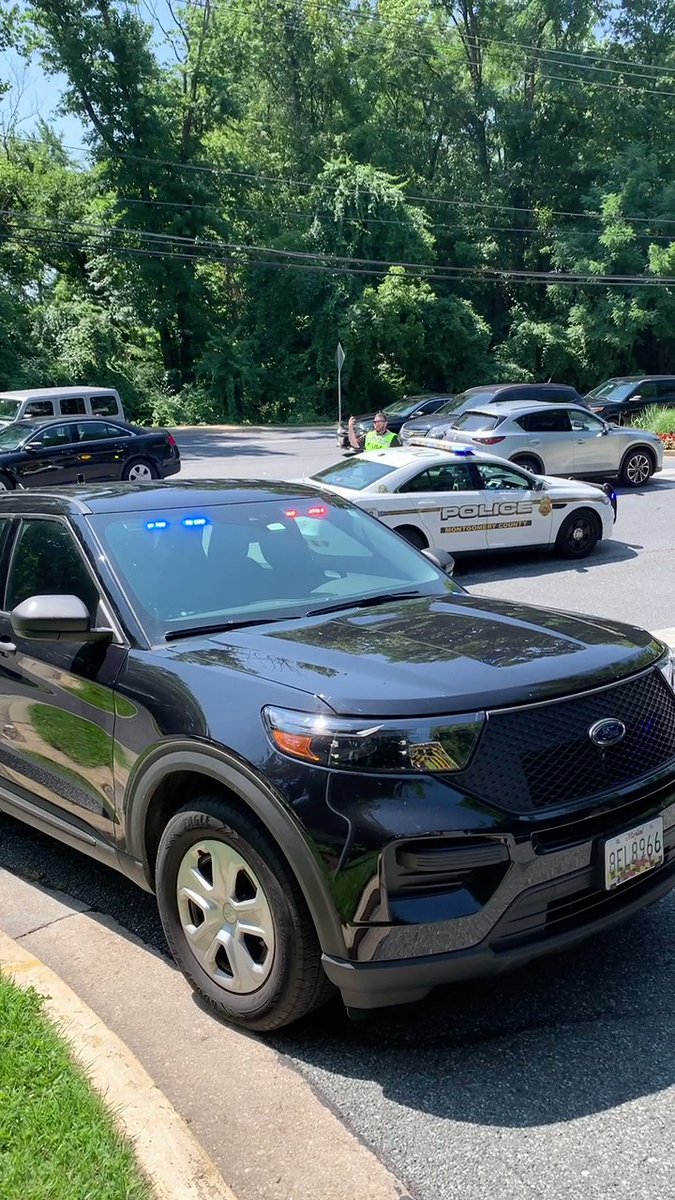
<point x="35" y="94"/>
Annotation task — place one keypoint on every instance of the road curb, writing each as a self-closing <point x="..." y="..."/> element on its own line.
<point x="172" y="1160"/>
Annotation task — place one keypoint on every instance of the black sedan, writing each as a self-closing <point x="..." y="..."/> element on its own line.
<point x="397" y="414"/>
<point x="333" y="766"/>
<point x="53" y="452"/>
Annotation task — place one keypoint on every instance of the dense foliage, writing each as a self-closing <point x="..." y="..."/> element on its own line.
<point x="457" y="192"/>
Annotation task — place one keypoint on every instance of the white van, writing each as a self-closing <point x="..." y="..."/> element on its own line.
<point x="60" y="402"/>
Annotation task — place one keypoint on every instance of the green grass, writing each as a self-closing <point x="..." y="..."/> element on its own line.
<point x="656" y="420"/>
<point x="57" y="1140"/>
<point x="101" y="697"/>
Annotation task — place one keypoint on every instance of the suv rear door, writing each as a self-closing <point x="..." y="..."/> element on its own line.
<point x="549" y="436"/>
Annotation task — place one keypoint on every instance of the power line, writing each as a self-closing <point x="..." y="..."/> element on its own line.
<point x="208" y="168"/>
<point x="469" y="39"/>
<point x="343" y="262"/>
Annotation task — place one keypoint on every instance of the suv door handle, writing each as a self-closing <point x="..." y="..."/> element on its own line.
<point x="7" y="647"/>
<point x="535" y="441"/>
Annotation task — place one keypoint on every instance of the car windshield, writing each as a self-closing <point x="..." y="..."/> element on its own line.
<point x="258" y="561"/>
<point x="399" y="408"/>
<point x="614" y="389"/>
<point x="464" y="398"/>
<point x="8" y="408"/>
<point x="15" y="435"/>
<point x="476" y="420"/>
<point x="354" y="473"/>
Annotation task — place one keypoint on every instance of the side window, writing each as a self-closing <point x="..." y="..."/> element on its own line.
<point x="646" y="391"/>
<point x="496" y="478"/>
<point x="53" y="435"/>
<point x="39" y="408"/>
<point x="665" y="390"/>
<point x="447" y="477"/>
<point x="104" y="406"/>
<point x="47" y="562"/>
<point x="585" y="422"/>
<point x="72" y="406"/>
<point x="554" y="420"/>
<point x="96" y="431"/>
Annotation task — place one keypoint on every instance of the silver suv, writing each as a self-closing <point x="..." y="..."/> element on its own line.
<point x="558" y="440"/>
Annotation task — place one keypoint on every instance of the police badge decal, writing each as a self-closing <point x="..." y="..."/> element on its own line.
<point x="546" y="506"/>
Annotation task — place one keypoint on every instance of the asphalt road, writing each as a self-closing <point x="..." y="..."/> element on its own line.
<point x="557" y="1082"/>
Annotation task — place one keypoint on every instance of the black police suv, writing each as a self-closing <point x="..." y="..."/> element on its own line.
<point x="334" y="767"/>
<point x="54" y="451"/>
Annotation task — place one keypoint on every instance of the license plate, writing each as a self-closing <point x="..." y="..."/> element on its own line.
<point x="632" y="853"/>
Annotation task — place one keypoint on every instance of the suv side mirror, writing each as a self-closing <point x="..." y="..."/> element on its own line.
<point x="634" y="399"/>
<point x="56" y="619"/>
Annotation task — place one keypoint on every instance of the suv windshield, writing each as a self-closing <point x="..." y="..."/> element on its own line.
<point x="14" y="436"/>
<point x="476" y="420"/>
<point x="354" y="473"/>
<point x="485" y="397"/>
<point x="263" y="560"/>
<point x="614" y="389"/>
<point x="8" y="408"/>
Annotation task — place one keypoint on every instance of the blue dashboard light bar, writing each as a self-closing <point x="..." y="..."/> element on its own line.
<point x="195" y="522"/>
<point x="156" y="525"/>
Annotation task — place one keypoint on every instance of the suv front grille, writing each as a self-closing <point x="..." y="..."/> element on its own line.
<point x="541" y="757"/>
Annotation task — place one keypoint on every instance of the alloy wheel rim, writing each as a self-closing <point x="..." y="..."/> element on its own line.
<point x="638" y="468"/>
<point x="225" y="916"/>
<point x="580" y="534"/>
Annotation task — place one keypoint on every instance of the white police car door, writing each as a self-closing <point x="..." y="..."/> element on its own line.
<point x="447" y="502"/>
<point x="515" y="514"/>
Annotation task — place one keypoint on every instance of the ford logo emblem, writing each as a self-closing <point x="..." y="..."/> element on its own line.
<point x="607" y="732"/>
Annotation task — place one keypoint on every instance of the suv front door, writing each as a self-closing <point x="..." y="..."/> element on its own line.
<point x="595" y="450"/>
<point x="56" y="700"/>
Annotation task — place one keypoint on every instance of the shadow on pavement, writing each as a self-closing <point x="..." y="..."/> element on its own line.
<point x="569" y="1036"/>
<point x="538" y="564"/>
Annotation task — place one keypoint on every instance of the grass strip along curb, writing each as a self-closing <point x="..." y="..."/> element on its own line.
<point x="57" y="1141"/>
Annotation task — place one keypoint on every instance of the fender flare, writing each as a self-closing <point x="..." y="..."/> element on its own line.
<point x="262" y="800"/>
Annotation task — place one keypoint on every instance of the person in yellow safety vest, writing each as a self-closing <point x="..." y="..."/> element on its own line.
<point x="378" y="438"/>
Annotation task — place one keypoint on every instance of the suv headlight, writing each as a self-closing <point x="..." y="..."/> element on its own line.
<point x="667" y="668"/>
<point x="368" y="744"/>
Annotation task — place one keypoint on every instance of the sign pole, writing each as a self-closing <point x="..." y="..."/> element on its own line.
<point x="339" y="359"/>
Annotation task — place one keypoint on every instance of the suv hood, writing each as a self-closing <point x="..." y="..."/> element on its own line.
<point x="438" y="655"/>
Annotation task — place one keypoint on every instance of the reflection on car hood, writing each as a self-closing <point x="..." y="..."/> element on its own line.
<point x="437" y="655"/>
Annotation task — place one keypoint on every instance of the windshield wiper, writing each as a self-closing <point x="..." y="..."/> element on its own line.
<point x="364" y="602"/>
<point x="172" y="635"/>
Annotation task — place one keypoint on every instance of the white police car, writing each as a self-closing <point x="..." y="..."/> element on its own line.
<point x="464" y="501"/>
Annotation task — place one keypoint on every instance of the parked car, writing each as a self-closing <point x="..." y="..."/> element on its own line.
<point x="498" y="393"/>
<point x="397" y="412"/>
<point x="334" y="767"/>
<point x="468" y="501"/>
<point x="628" y="396"/>
<point x="559" y="440"/>
<point x="60" y="402"/>
<point x="53" y="452"/>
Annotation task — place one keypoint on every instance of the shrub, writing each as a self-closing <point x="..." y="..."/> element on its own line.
<point x="656" y="420"/>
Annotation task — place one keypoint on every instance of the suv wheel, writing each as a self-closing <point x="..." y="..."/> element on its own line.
<point x="235" y="919"/>
<point x="529" y="462"/>
<point x="637" y="468"/>
<point x="578" y="535"/>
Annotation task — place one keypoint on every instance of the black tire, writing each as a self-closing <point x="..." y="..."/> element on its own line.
<point x="637" y="467"/>
<point x="7" y="484"/>
<point x="413" y="536"/>
<point x="529" y="462"/>
<point x="128" y="468"/>
<point x="296" y="983"/>
<point x="578" y="535"/>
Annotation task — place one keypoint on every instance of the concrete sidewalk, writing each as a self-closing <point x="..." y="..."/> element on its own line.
<point x="258" y="1120"/>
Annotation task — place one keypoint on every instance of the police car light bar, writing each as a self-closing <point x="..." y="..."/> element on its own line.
<point x="457" y="448"/>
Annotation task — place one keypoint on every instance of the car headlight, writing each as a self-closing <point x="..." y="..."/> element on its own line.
<point x="667" y="668"/>
<point x="368" y="744"/>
